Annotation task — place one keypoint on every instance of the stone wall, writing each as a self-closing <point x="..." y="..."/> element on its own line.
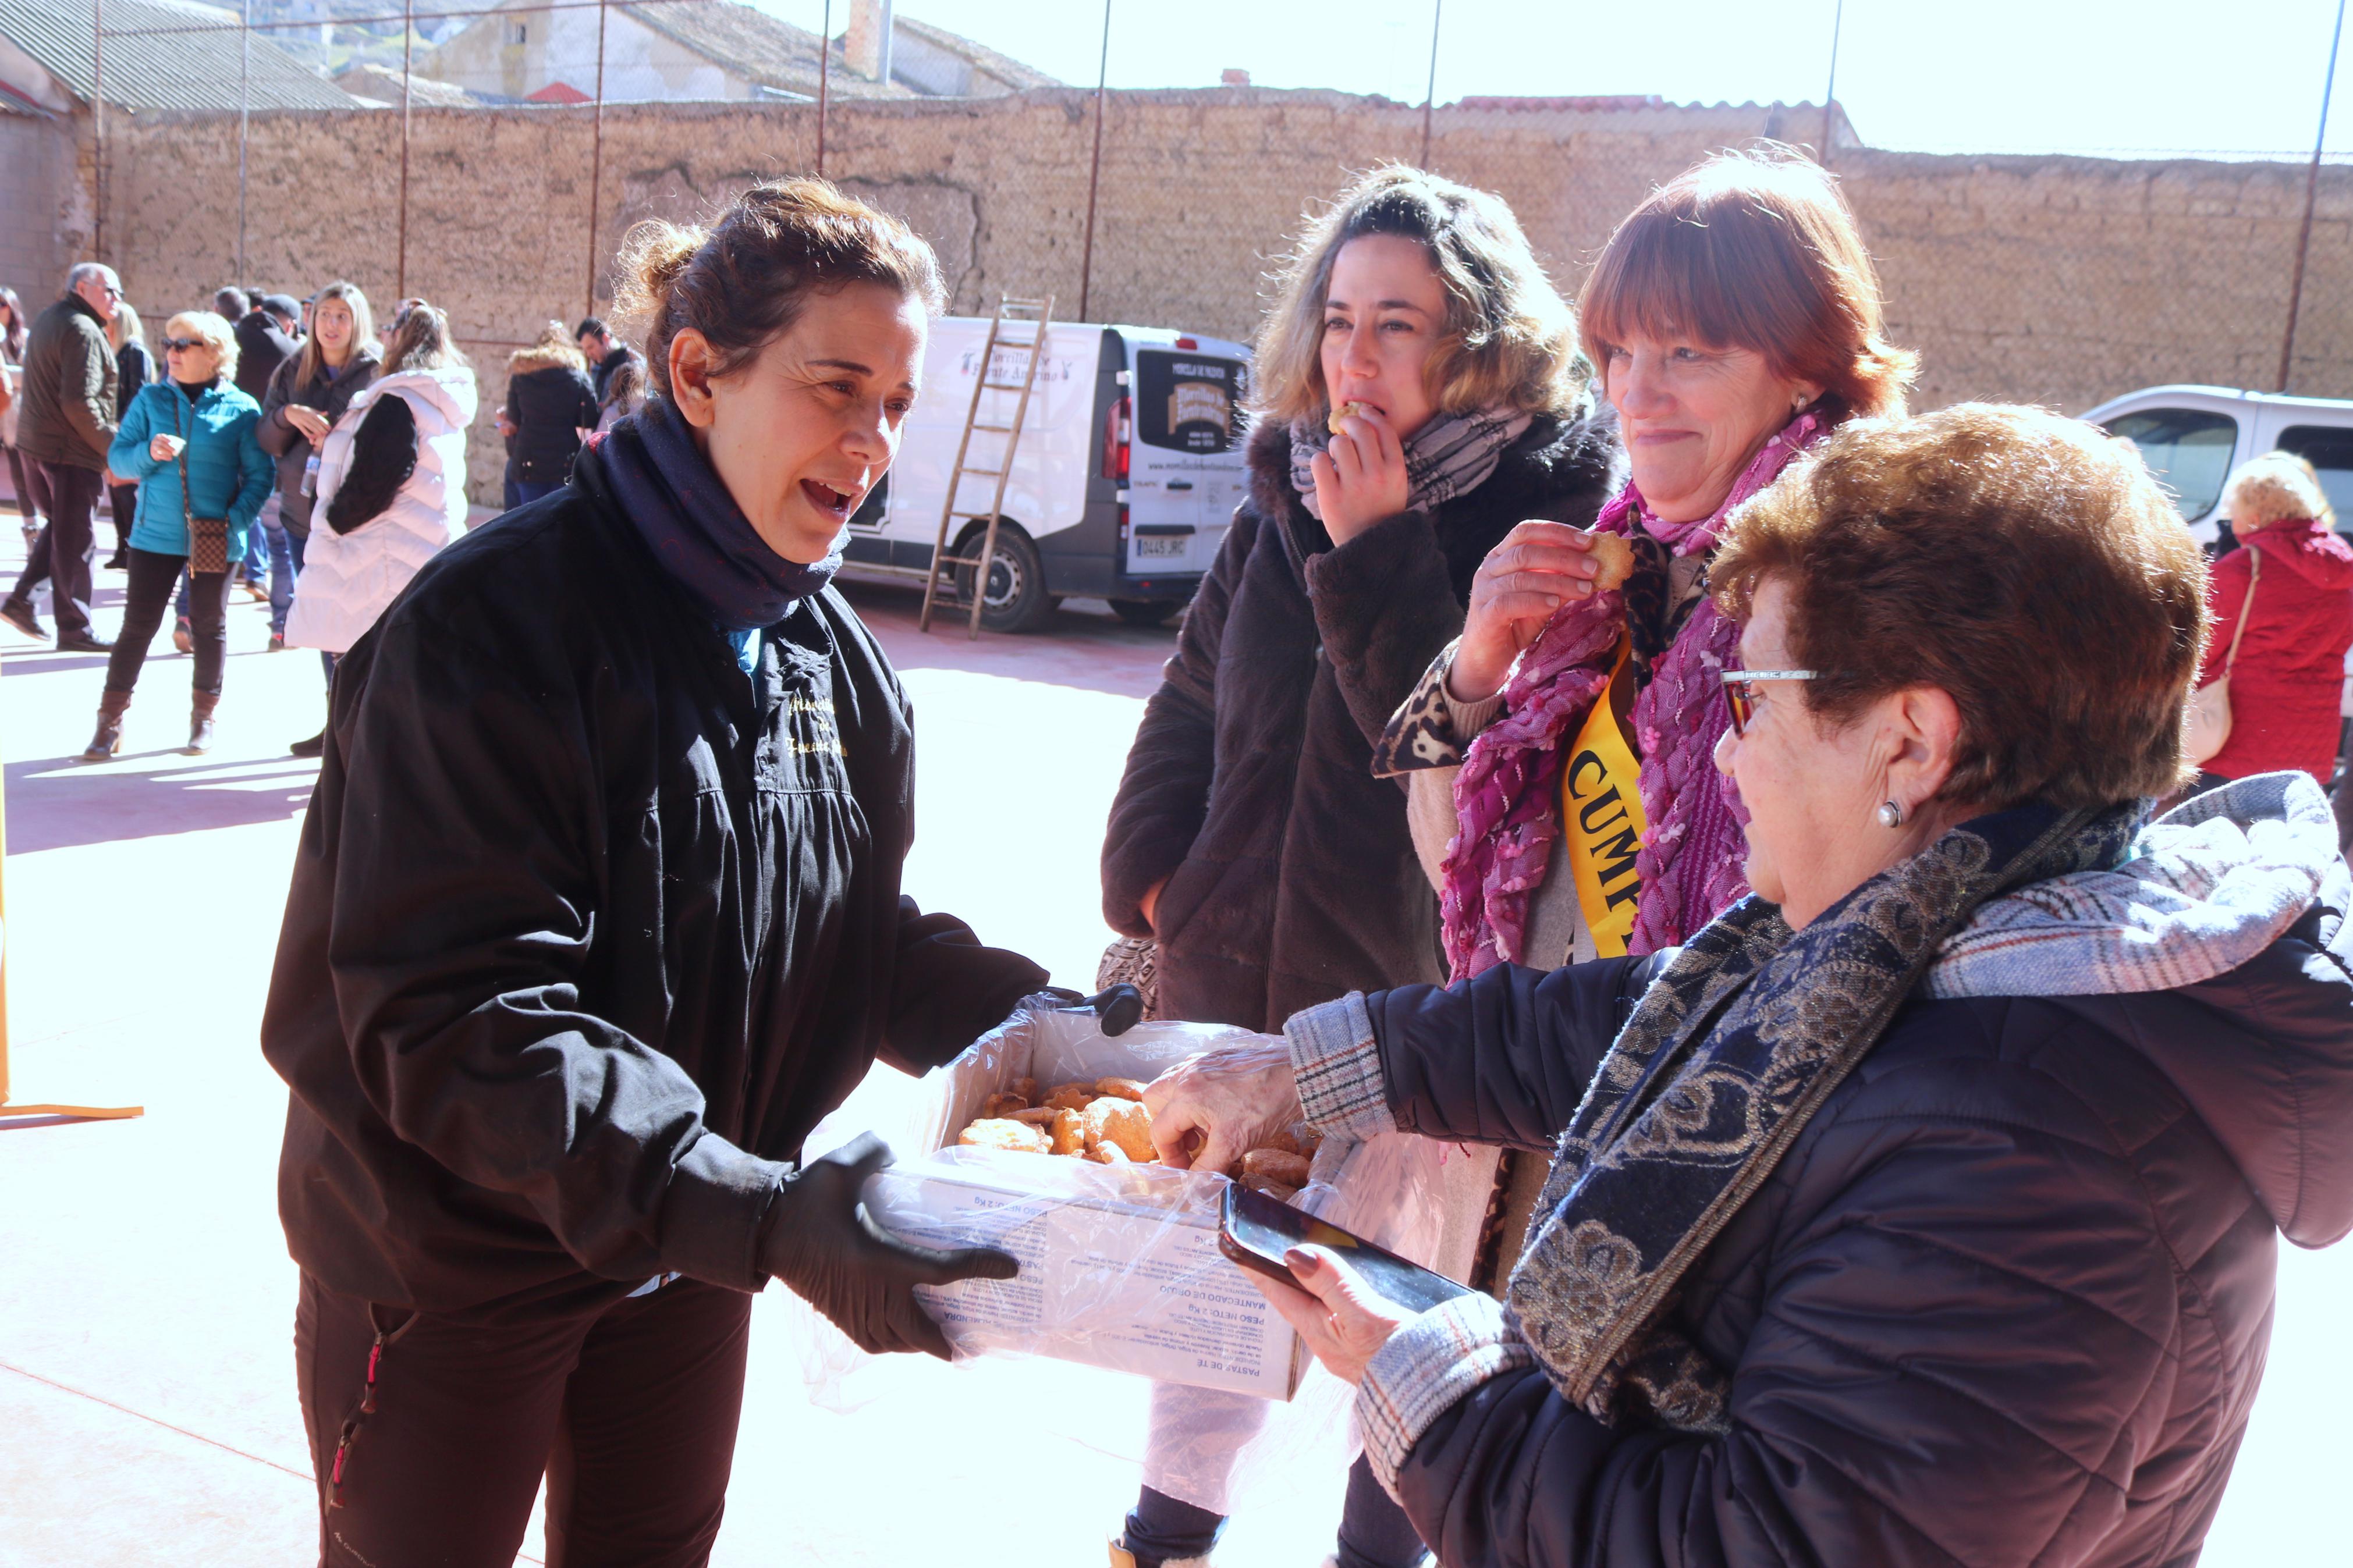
<point x="2057" y="279"/>
<point x="45" y="211"/>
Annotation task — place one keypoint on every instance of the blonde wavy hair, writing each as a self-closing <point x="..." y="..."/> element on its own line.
<point x="217" y="333"/>
<point x="2276" y="486"/>
<point x="1508" y="337"/>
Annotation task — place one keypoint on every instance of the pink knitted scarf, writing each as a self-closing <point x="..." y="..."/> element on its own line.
<point x="1507" y="795"/>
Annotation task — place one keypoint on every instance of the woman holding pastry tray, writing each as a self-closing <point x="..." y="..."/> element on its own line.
<point x="1923" y="1208"/>
<point x="596" y="912"/>
<point x="1419" y="394"/>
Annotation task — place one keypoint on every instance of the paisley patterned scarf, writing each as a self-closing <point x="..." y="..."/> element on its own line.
<point x="1725" y="1058"/>
<point x="1507" y="796"/>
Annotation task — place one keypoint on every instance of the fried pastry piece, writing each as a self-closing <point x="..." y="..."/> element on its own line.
<point x="1108" y="1153"/>
<point x="1068" y="1135"/>
<point x="999" y="1133"/>
<point x="1615" y="556"/>
<point x="1307" y="1139"/>
<point x="1340" y="412"/>
<point x="1003" y="1104"/>
<point x="1286" y="1141"/>
<point x="1041" y="1117"/>
<point x="1272" y="1189"/>
<point x="1110" y="1119"/>
<point x="1275" y="1165"/>
<point x="1120" y="1088"/>
<point x="1027" y="1088"/>
<point x="1070" y="1097"/>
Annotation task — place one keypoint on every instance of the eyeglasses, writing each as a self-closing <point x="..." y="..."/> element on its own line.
<point x="169" y="343"/>
<point x="1736" y="683"/>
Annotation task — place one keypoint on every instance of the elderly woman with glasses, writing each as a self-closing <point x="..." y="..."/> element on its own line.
<point x="1922" y="1208"/>
<point x="189" y="443"/>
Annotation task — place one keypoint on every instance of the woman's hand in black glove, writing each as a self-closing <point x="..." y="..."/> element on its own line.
<point x="820" y="1241"/>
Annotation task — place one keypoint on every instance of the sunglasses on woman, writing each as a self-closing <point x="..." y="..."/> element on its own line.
<point x="169" y="343"/>
<point x="1736" y="684"/>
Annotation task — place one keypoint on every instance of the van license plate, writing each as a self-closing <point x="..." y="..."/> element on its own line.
<point x="1172" y="548"/>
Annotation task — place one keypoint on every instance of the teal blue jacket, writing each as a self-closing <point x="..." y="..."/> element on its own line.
<point x="228" y="473"/>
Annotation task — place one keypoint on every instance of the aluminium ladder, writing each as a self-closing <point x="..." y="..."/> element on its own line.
<point x="1034" y="314"/>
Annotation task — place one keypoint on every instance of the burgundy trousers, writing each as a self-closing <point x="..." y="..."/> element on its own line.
<point x="430" y="1435"/>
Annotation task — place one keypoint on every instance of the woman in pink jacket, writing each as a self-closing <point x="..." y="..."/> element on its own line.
<point x="2291" y="581"/>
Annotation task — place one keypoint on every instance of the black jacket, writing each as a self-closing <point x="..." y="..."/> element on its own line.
<point x="600" y="374"/>
<point x="134" y="367"/>
<point x="262" y="345"/>
<point x="587" y="929"/>
<point x="328" y="393"/>
<point x="1291" y="877"/>
<point x="550" y="407"/>
<point x="2005" y="1301"/>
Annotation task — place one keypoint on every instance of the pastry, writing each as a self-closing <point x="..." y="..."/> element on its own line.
<point x="1615" y="556"/>
<point x="1068" y="1135"/>
<point x="996" y="1133"/>
<point x="1070" y="1097"/>
<point x="1123" y="1122"/>
<point x="1342" y="412"/>
<point x="1120" y="1088"/>
<point x="1003" y="1105"/>
<point x="1275" y="1165"/>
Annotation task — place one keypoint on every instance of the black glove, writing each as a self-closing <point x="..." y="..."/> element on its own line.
<point x="1120" y="1008"/>
<point x="820" y="1240"/>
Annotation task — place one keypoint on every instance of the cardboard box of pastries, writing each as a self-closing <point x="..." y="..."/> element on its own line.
<point x="1120" y="1266"/>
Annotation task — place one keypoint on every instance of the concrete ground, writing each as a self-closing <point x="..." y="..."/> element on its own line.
<point x="147" y="1411"/>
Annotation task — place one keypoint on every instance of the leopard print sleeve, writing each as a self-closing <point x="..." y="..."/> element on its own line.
<point x="1429" y="729"/>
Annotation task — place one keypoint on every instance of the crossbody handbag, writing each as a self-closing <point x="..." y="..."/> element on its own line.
<point x="2210" y="705"/>
<point x="207" y="536"/>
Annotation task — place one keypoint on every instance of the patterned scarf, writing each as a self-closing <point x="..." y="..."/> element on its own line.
<point x="1725" y="1058"/>
<point x="1450" y="455"/>
<point x="695" y="528"/>
<point x="1507" y="796"/>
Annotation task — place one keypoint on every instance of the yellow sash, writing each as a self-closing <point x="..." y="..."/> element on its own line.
<point x="1601" y="818"/>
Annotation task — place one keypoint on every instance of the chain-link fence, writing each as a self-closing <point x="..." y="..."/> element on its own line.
<point x="491" y="159"/>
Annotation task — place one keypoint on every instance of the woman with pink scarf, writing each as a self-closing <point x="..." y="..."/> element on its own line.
<point x="1734" y="321"/>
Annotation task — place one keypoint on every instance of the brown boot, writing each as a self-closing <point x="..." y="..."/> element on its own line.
<point x="111" y="706"/>
<point x="200" y="722"/>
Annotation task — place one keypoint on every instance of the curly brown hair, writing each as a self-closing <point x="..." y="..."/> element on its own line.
<point x="1508" y="338"/>
<point x="2020" y="561"/>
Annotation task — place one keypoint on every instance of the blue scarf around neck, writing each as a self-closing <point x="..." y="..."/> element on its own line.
<point x="695" y="528"/>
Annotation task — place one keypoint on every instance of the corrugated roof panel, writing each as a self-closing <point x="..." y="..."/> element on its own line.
<point x="165" y="54"/>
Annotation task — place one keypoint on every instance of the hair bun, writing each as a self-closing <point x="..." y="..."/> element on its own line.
<point x="654" y="255"/>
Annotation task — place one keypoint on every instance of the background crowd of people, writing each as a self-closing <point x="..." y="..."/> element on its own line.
<point x="213" y="468"/>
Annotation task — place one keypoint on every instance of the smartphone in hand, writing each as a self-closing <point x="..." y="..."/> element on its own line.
<point x="1256" y="1231"/>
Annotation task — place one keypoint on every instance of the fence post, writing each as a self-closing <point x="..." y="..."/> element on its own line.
<point x="98" y="128"/>
<point x="1830" y="93"/>
<point x="596" y="165"/>
<point x="2310" y="194"/>
<point x="244" y="120"/>
<point x="1094" y="172"/>
<point x="1429" y="95"/>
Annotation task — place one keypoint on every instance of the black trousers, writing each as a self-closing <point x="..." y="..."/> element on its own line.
<point x="69" y="496"/>
<point x="154" y="578"/>
<point x="430" y="1434"/>
<point x="126" y="511"/>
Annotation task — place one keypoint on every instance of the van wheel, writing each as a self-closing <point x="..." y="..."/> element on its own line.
<point x="1015" y="600"/>
<point x="1145" y="612"/>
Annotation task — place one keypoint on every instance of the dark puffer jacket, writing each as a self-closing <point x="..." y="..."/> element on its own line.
<point x="2005" y="1301"/>
<point x="1290" y="873"/>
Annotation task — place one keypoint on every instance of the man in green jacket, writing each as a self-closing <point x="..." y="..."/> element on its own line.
<point x="66" y="424"/>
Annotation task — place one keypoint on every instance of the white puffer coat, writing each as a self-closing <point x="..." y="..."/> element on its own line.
<point x="348" y="579"/>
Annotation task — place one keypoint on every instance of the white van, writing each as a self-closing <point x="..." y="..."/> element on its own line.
<point x="1124" y="480"/>
<point x="2192" y="438"/>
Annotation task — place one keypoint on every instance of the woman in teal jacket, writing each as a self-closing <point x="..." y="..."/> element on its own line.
<point x="193" y="422"/>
